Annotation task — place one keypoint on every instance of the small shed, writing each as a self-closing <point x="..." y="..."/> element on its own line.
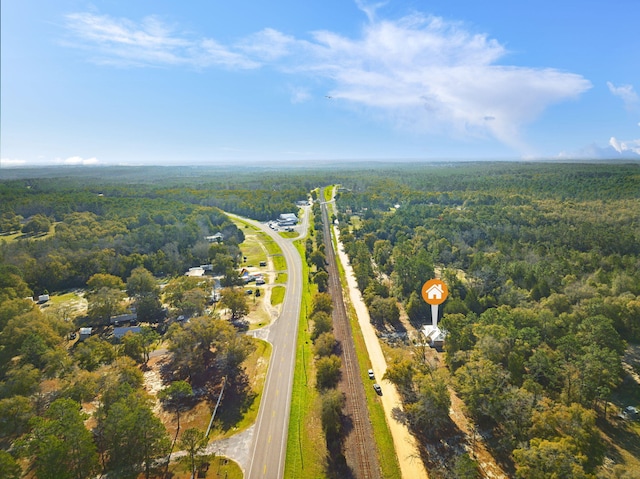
<point x="195" y="272"/>
<point x="84" y="333"/>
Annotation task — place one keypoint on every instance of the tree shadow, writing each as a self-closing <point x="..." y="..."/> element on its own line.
<point x="337" y="467"/>
<point x="238" y="397"/>
<point x="622" y="435"/>
<point x="400" y="416"/>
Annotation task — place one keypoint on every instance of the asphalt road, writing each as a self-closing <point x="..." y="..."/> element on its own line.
<point x="269" y="446"/>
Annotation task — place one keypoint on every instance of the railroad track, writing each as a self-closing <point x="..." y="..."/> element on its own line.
<point x="361" y="449"/>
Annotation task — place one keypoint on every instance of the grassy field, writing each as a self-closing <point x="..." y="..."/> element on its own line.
<point x="282" y="278"/>
<point x="252" y="246"/>
<point x="64" y="298"/>
<point x="18" y="235"/>
<point x="277" y="295"/>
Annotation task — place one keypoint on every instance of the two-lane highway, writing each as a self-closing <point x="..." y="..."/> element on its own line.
<point x="269" y="447"/>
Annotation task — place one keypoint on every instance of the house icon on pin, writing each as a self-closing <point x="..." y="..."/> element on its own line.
<point x="435" y="292"/>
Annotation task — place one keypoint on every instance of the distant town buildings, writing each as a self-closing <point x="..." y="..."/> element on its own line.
<point x="216" y="238"/>
<point x="287" y="219"/>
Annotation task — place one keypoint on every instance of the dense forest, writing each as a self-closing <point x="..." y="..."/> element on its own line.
<point x="542" y="261"/>
<point x="543" y="267"/>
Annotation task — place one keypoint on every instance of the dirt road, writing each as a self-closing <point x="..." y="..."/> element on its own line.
<point x="411" y="465"/>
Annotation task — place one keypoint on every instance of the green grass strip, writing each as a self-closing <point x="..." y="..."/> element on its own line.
<point x="306" y="449"/>
<point x="277" y="295"/>
<point x="279" y="263"/>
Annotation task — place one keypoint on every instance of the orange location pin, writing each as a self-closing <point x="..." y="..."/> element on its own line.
<point x="434" y="292"/>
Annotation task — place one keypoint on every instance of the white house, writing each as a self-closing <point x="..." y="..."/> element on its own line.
<point x="434" y="335"/>
<point x="216" y="238"/>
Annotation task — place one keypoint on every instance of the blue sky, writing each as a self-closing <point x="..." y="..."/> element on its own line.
<point x="196" y="82"/>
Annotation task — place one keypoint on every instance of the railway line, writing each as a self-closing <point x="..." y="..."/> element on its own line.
<point x="360" y="447"/>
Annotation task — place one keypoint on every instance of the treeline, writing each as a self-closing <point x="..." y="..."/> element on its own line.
<point x="261" y="197"/>
<point x="104" y="220"/>
<point x="165" y="237"/>
<point x="543" y="268"/>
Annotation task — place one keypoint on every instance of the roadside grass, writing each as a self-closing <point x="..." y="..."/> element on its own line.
<point x="271" y="245"/>
<point x="260" y="317"/>
<point x="306" y="446"/>
<point x="279" y="263"/>
<point x="282" y="278"/>
<point x="622" y="439"/>
<point x="289" y="234"/>
<point x="219" y="467"/>
<point x="384" y="440"/>
<point x="10" y="235"/>
<point x="277" y="295"/>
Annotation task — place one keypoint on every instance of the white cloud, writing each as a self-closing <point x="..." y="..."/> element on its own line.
<point x="632" y="146"/>
<point x="616" y="149"/>
<point x="11" y="163"/>
<point x="369" y="9"/>
<point x="626" y="93"/>
<point x="432" y="75"/>
<point x="77" y="160"/>
<point x="267" y="44"/>
<point x="299" y="95"/>
<point x="421" y="73"/>
<point x="120" y="41"/>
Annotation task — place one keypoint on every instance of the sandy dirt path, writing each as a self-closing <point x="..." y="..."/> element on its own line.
<point x="411" y="465"/>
